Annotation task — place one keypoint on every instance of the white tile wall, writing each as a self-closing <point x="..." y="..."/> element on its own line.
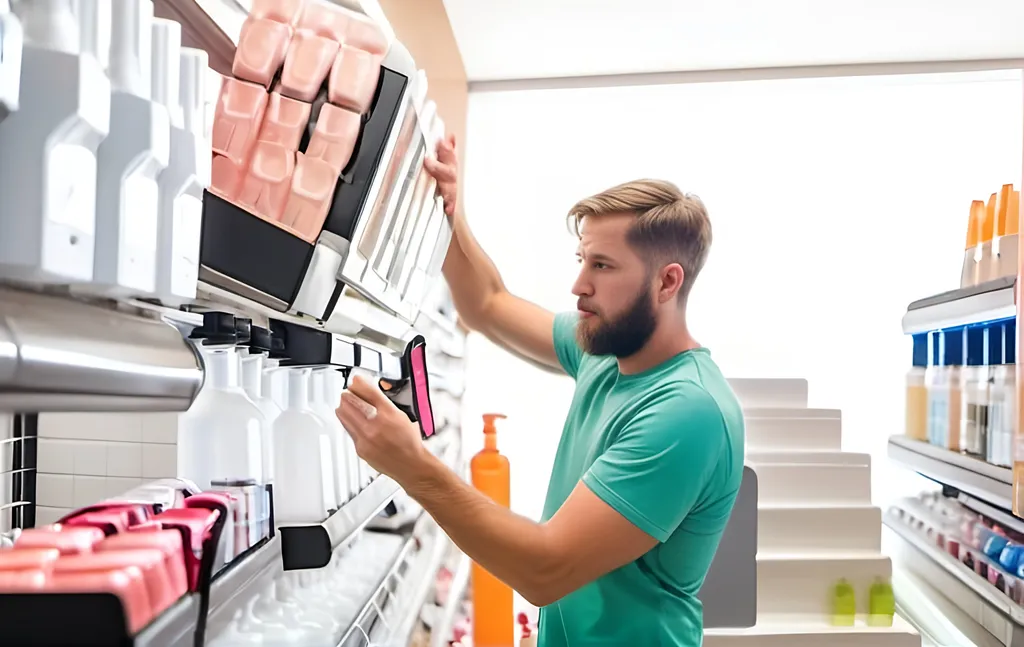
<point x="86" y="457"/>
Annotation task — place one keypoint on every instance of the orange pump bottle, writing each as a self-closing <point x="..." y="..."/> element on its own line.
<point x="493" y="620"/>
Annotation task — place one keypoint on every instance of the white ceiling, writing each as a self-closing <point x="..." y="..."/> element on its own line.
<point x="524" y="39"/>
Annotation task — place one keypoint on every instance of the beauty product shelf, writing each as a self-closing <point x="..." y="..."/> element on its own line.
<point x="967" y="590"/>
<point x="312" y="546"/>
<point x="975" y="477"/>
<point x="380" y="602"/>
<point x="989" y="301"/>
<point x="441" y="634"/>
<point x="59" y="353"/>
<point x="418" y="583"/>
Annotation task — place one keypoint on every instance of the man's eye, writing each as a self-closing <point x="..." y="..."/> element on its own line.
<point x="599" y="266"/>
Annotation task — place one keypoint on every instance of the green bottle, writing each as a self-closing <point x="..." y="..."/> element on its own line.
<point x="882" y="604"/>
<point x="844" y="604"/>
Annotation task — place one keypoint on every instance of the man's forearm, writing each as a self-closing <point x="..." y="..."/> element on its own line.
<point x="512" y="548"/>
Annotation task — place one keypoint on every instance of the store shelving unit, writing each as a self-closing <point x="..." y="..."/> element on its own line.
<point x="983" y="614"/>
<point x="441" y="633"/>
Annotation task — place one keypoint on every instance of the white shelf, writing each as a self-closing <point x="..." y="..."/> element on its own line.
<point x="441" y="633"/>
<point x="967" y="590"/>
<point x="989" y="301"/>
<point x="417" y="585"/>
<point x="978" y="478"/>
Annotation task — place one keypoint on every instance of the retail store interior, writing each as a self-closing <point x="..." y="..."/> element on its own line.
<point x="175" y="339"/>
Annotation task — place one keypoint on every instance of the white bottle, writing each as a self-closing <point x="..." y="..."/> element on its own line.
<point x="275" y="384"/>
<point x="221" y="435"/>
<point x="182" y="183"/>
<point x="303" y="490"/>
<point x="48" y="150"/>
<point x="131" y="159"/>
<point x="334" y="384"/>
<point x="321" y="405"/>
<point x="11" y="39"/>
<point x="251" y="370"/>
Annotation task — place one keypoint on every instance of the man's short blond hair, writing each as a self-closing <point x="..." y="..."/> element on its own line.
<point x="671" y="226"/>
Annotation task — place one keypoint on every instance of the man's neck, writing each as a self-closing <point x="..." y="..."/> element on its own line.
<point x="666" y="342"/>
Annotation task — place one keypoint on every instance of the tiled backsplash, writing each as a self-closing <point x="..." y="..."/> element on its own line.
<point x="85" y="457"/>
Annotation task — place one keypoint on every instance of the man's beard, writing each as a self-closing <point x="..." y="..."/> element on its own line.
<point x="622" y="337"/>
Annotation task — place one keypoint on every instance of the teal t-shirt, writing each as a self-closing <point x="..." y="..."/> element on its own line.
<point x="665" y="449"/>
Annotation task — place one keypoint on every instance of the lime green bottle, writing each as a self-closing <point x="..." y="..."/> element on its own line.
<point x="881" y="603"/>
<point x="844" y="604"/>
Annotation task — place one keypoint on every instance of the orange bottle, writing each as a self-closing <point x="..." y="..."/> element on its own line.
<point x="493" y="620"/>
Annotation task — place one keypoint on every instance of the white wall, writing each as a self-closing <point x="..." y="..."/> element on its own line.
<point x="835" y="202"/>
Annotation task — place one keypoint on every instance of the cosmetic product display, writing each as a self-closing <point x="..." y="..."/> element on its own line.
<point x="11" y="39"/>
<point x="492" y="599"/>
<point x="132" y="157"/>
<point x="917" y="391"/>
<point x="945" y="389"/>
<point x="992" y="238"/>
<point x="319" y="138"/>
<point x="48" y="166"/>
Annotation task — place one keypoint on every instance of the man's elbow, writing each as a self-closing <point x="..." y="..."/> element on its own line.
<point x="550" y="580"/>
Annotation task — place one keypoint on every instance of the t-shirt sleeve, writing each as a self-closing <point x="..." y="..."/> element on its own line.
<point x="568" y="350"/>
<point x="657" y="469"/>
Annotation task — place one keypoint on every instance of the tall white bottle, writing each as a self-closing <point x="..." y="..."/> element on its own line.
<point x="48" y="150"/>
<point x="188" y="173"/>
<point x="131" y="159"/>
<point x="11" y="41"/>
<point x="251" y="371"/>
<point x="334" y="385"/>
<point x="323" y="408"/>
<point x="303" y="491"/>
<point x="221" y="435"/>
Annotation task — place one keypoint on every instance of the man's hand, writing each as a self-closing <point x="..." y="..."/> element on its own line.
<point x="384" y="437"/>
<point x="445" y="169"/>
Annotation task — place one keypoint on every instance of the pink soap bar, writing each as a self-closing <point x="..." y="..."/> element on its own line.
<point x="312" y="191"/>
<point x="150" y="563"/>
<point x="363" y="33"/>
<point x="237" y="119"/>
<point x="68" y="540"/>
<point x="125" y="583"/>
<point x="353" y="80"/>
<point x="335" y="136"/>
<point x="286" y="11"/>
<point x="167" y="542"/>
<point x="307" y="65"/>
<point x="285" y="121"/>
<point x="264" y="189"/>
<point x="261" y="49"/>
<point x="226" y="178"/>
<point x="28" y="559"/>
<point x="326" y="20"/>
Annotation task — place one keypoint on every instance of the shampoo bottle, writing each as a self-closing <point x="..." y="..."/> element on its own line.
<point x="971" y="269"/>
<point x="917" y="391"/>
<point x="181" y="184"/>
<point x="999" y="435"/>
<point x="493" y="618"/>
<point x="1001" y="244"/>
<point x="48" y="149"/>
<point x="323" y="408"/>
<point x="974" y="394"/>
<point x="844" y="604"/>
<point x="11" y="38"/>
<point x="303" y="491"/>
<point x="131" y="160"/>
<point x="250" y="360"/>
<point x="881" y="604"/>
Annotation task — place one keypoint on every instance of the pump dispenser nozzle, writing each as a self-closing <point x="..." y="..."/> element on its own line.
<point x="491" y="431"/>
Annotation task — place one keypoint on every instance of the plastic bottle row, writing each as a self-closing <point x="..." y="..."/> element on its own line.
<point x="256" y="420"/>
<point x="993" y="229"/>
<point x="962" y="390"/>
<point x="104" y="159"/>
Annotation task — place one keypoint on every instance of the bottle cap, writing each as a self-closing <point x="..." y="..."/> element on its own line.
<point x="951" y="347"/>
<point x="974" y="223"/>
<point x="988" y="222"/>
<point x="1002" y="209"/>
<point x="489" y="419"/>
<point x="920" y="357"/>
<point x="166" y="70"/>
<point x="193" y="66"/>
<point x="131" y="48"/>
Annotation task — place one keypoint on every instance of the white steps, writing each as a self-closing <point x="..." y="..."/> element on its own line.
<point x="795" y="434"/>
<point x="785" y="631"/>
<point x="801" y="485"/>
<point x="801" y="584"/>
<point x="822" y="530"/>
<point x="770" y="392"/>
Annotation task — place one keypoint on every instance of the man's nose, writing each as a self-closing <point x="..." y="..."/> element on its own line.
<point x="582" y="286"/>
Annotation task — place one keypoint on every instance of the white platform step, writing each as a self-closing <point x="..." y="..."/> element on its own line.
<point x="793" y="434"/>
<point x="781" y="631"/>
<point x="800" y="585"/>
<point x="770" y="392"/>
<point x="808" y="458"/>
<point x="803" y="485"/>
<point x="837" y="530"/>
<point x="791" y="412"/>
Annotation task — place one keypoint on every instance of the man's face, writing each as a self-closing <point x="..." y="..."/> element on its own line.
<point x="614" y="290"/>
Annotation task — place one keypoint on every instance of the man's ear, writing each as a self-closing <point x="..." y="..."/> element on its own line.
<point x="671" y="276"/>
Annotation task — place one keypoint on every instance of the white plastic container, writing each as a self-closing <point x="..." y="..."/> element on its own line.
<point x="303" y="488"/>
<point x="221" y="435"/>
<point x="179" y="83"/>
<point x="131" y="159"/>
<point x="944" y="390"/>
<point x="11" y="39"/>
<point x="251" y="371"/>
<point x="334" y="385"/>
<point x="48" y="150"/>
<point x="320" y="403"/>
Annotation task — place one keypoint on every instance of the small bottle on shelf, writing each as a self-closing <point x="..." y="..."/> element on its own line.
<point x="944" y="390"/>
<point x="974" y="394"/>
<point x="844" y="604"/>
<point x="970" y="272"/>
<point x="999" y="436"/>
<point x="917" y="391"/>
<point x="1004" y="245"/>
